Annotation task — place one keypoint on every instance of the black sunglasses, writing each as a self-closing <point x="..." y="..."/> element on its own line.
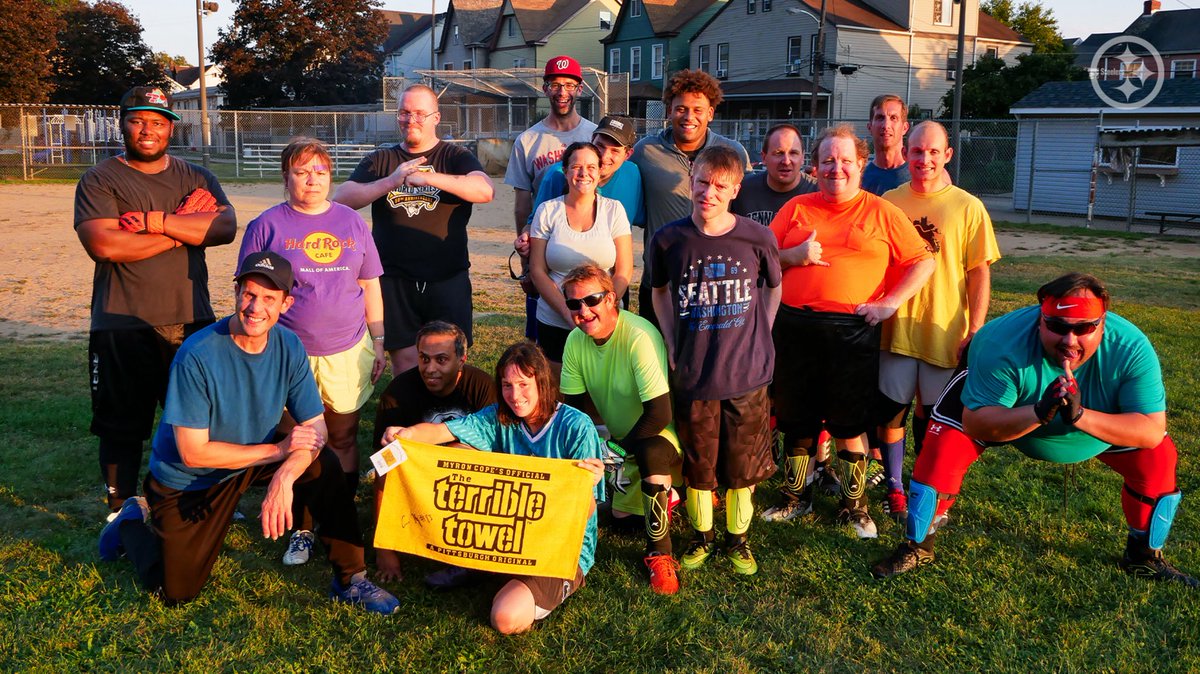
<point x="590" y="300"/>
<point x="1061" y="327"/>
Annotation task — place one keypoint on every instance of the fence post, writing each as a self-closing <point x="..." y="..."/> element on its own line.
<point x="1032" y="168"/>
<point x="1133" y="180"/>
<point x="237" y="147"/>
<point x="337" y="161"/>
<point x="24" y="144"/>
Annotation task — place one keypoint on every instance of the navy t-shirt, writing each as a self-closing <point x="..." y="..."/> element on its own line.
<point x="879" y="180"/>
<point x="723" y="346"/>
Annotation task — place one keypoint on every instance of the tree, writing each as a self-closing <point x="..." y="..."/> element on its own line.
<point x="286" y="53"/>
<point x="100" y="55"/>
<point x="168" y="62"/>
<point x="990" y="87"/>
<point x="27" y="28"/>
<point x="1030" y="19"/>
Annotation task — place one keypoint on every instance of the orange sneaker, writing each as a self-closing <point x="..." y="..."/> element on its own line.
<point x="663" y="579"/>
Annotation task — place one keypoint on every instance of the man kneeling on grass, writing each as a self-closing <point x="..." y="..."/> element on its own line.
<point x="227" y="386"/>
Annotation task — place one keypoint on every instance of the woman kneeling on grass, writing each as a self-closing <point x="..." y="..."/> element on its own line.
<point x="529" y="421"/>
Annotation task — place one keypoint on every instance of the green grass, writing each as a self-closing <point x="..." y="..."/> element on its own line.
<point x="1020" y="583"/>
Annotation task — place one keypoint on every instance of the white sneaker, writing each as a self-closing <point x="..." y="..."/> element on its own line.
<point x="299" y="548"/>
<point x="863" y="525"/>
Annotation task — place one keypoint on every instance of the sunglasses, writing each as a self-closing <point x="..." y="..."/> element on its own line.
<point x="1061" y="327"/>
<point x="590" y="300"/>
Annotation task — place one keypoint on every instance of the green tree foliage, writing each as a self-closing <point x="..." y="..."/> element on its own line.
<point x="100" y="55"/>
<point x="166" y="61"/>
<point x="27" y="30"/>
<point x="990" y="87"/>
<point x="1031" y="19"/>
<point x="286" y="53"/>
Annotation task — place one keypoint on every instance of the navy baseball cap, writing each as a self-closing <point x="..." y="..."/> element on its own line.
<point x="272" y="265"/>
<point x="148" y="98"/>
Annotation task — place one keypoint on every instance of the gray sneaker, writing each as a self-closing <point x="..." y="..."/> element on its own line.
<point x="858" y="517"/>
<point x="299" y="548"/>
<point x="793" y="506"/>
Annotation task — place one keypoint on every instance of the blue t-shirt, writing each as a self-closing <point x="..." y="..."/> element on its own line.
<point x="879" y="180"/>
<point x="1009" y="368"/>
<point x="239" y="397"/>
<point x="570" y="434"/>
<point x="625" y="186"/>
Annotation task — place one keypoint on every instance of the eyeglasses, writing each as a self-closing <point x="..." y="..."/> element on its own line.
<point x="558" y="86"/>
<point x="575" y="304"/>
<point x="1061" y="327"/>
<point x="512" y="272"/>
<point x="417" y="117"/>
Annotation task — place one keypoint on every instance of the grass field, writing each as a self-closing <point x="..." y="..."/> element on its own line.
<point x="1022" y="582"/>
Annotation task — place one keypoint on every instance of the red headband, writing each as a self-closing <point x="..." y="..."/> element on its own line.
<point x="1073" y="307"/>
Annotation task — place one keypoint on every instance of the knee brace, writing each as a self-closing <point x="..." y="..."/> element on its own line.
<point x="922" y="508"/>
<point x="1162" y="515"/>
<point x="655" y="456"/>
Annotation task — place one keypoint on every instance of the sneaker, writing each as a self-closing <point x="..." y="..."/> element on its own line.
<point x="742" y="558"/>
<point x="698" y="551"/>
<point x="238" y="516"/>
<point x="908" y="556"/>
<point x="663" y="576"/>
<point x="1150" y="564"/>
<point x="864" y="526"/>
<point x="299" y="548"/>
<point x="874" y="473"/>
<point x="134" y="508"/>
<point x="896" y="505"/>
<point x="794" y="505"/>
<point x="453" y="577"/>
<point x="365" y="594"/>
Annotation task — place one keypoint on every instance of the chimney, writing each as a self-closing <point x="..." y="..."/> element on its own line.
<point x="1150" y="6"/>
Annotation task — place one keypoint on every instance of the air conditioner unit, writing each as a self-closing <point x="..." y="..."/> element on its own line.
<point x="722" y="73"/>
<point x="792" y="69"/>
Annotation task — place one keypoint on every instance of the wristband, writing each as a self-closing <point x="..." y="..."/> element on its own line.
<point x="377" y="339"/>
<point x="154" y="222"/>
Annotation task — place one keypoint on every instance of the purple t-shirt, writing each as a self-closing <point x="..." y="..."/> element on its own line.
<point x="329" y="253"/>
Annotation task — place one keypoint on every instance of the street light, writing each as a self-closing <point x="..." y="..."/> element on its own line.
<point x="202" y="10"/>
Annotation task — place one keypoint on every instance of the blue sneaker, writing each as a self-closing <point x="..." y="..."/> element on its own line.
<point x="110" y="537"/>
<point x="364" y="593"/>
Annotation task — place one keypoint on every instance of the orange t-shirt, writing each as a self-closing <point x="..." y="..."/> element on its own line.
<point x="860" y="239"/>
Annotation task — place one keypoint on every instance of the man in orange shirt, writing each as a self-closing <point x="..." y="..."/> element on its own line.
<point x="836" y="248"/>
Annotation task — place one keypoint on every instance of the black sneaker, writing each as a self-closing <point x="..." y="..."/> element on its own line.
<point x="453" y="577"/>
<point x="1150" y="564"/>
<point x="908" y="556"/>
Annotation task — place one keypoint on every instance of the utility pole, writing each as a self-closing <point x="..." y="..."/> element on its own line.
<point x="818" y="66"/>
<point x="956" y="135"/>
<point x="432" y="31"/>
<point x="202" y="9"/>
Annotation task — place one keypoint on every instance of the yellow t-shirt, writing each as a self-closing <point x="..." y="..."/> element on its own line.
<point x="958" y="231"/>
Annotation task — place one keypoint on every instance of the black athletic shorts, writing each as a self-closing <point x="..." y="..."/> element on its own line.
<point x="127" y="372"/>
<point x="407" y="305"/>
<point x="553" y="340"/>
<point x="726" y="442"/>
<point x="826" y="371"/>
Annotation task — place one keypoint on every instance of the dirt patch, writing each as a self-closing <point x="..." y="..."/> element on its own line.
<point x="45" y="290"/>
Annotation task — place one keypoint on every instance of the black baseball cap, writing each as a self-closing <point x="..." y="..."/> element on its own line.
<point x="272" y="265"/>
<point x="148" y="98"/>
<point x="618" y="128"/>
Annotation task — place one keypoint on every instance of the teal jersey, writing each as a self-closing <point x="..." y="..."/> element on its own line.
<point x="570" y="434"/>
<point x="1009" y="368"/>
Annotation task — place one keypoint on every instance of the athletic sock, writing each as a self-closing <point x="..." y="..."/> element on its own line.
<point x="656" y="501"/>
<point x="739" y="510"/>
<point x="893" y="463"/>
<point x="700" y="509"/>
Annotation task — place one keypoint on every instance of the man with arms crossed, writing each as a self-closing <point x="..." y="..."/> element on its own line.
<point x="145" y="218"/>
<point x="421" y="192"/>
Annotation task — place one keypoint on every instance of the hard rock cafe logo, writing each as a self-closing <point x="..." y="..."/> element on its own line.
<point x="414" y="199"/>
<point x="489" y="518"/>
<point x="1119" y="72"/>
<point x="320" y="247"/>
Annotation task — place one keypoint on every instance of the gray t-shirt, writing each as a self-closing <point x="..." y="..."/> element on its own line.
<point x="537" y="148"/>
<point x="759" y="202"/>
<point x="166" y="289"/>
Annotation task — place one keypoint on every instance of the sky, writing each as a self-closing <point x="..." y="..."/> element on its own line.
<point x="170" y="25"/>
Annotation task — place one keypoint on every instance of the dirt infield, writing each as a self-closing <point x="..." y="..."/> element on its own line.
<point x="45" y="290"/>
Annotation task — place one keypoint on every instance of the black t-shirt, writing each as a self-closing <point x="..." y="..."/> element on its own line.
<point x="421" y="232"/>
<point x="406" y="401"/>
<point x="166" y="289"/>
<point x="723" y="346"/>
<point x="757" y="201"/>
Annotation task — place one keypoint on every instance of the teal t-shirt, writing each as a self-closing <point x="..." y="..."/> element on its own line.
<point x="570" y="434"/>
<point x="1009" y="368"/>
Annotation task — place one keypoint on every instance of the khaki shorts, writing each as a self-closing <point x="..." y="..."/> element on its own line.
<point x="344" y="379"/>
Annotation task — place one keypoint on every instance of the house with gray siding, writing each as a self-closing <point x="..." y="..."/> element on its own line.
<point x="463" y="44"/>
<point x="1172" y="33"/>
<point x="407" y="48"/>
<point x="1142" y="161"/>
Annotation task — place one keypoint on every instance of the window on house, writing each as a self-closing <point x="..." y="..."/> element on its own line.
<point x="656" y="62"/>
<point x="723" y="59"/>
<point x="635" y="63"/>
<point x="1149" y="157"/>
<point x="447" y="66"/>
<point x="795" y="54"/>
<point x="511" y="25"/>
<point x="1132" y="70"/>
<point x="766" y="5"/>
<point x="943" y="12"/>
<point x="467" y="65"/>
<point x="813" y="58"/>
<point x="992" y="53"/>
<point x="605" y="20"/>
<point x="635" y="7"/>
<point x="519" y="63"/>
<point x="951" y="64"/>
<point x="456" y="38"/>
<point x="614" y="60"/>
<point x="1183" y="68"/>
<point x="704" y="58"/>
<point x="749" y="6"/>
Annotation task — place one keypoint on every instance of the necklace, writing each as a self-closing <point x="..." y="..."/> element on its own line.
<point x="121" y="158"/>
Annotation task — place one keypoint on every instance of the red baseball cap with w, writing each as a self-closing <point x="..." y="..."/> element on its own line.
<point x="564" y="66"/>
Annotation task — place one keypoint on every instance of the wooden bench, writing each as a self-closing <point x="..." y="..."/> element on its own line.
<point x="1175" y="219"/>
